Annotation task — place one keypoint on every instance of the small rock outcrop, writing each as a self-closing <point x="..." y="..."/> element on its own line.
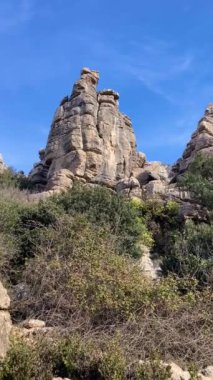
<point x="201" y="142"/>
<point x="34" y="324"/>
<point x="5" y="321"/>
<point x="90" y="139"/>
<point x="149" y="268"/>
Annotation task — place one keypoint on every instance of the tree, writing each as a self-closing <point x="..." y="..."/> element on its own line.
<point x="198" y="180"/>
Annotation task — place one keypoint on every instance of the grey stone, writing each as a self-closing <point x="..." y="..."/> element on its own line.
<point x="4" y="298"/>
<point x="34" y="324"/>
<point x="5" y="328"/>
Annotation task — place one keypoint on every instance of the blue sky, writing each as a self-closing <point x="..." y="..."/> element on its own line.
<point x="157" y="54"/>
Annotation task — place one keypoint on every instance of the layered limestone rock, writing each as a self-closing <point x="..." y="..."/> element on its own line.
<point x="93" y="142"/>
<point x="201" y="142"/>
<point x="5" y="321"/>
<point x="90" y="139"/>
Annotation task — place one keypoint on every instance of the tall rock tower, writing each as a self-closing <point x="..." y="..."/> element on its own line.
<point x="201" y="142"/>
<point x="89" y="139"/>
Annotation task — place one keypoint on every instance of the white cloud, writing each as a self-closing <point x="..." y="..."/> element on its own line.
<point x="155" y="62"/>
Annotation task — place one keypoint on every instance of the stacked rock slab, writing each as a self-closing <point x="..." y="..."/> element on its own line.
<point x="201" y="142"/>
<point x="5" y="321"/>
<point x="90" y="139"/>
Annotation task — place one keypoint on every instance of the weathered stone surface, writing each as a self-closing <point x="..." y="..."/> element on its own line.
<point x="201" y="142"/>
<point x="34" y="324"/>
<point x="4" y="298"/>
<point x="89" y="137"/>
<point x="61" y="179"/>
<point x="152" y="171"/>
<point x="154" y="189"/>
<point x="208" y="371"/>
<point x="5" y="321"/>
<point x="178" y="373"/>
<point x="147" y="265"/>
<point x="5" y="328"/>
<point x="92" y="141"/>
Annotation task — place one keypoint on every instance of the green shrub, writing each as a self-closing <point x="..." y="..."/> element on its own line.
<point x="22" y="224"/>
<point x="162" y="220"/>
<point x="191" y="254"/>
<point x="76" y="267"/>
<point x="152" y="369"/>
<point x="104" y="208"/>
<point x="78" y="358"/>
<point x="25" y="361"/>
<point x="198" y="179"/>
<point x="9" y="178"/>
<point x="113" y="364"/>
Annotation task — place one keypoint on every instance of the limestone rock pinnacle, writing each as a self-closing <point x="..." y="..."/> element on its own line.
<point x="201" y="142"/>
<point x="89" y="139"/>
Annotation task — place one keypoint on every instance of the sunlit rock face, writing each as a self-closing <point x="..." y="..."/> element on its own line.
<point x="89" y="137"/>
<point x="201" y="142"/>
<point x="91" y="141"/>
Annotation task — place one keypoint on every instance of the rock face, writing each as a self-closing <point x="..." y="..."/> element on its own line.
<point x="5" y="321"/>
<point x="90" y="139"/>
<point x="201" y="142"/>
<point x="93" y="142"/>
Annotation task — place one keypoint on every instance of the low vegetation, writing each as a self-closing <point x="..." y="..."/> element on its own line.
<point x="72" y="260"/>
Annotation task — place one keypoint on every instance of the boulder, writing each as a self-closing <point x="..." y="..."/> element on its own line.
<point x="34" y="324"/>
<point x="5" y="328"/>
<point x="5" y="321"/>
<point x="152" y="171"/>
<point x="127" y="183"/>
<point x="154" y="189"/>
<point x="4" y="298"/>
<point x="147" y="265"/>
<point x="61" y="179"/>
<point x="208" y="372"/>
<point x="178" y="373"/>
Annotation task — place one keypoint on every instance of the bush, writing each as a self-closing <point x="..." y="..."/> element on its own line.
<point x="191" y="253"/>
<point x="9" y="178"/>
<point x="76" y="268"/>
<point x="21" y="224"/>
<point x="152" y="370"/>
<point x="161" y="219"/>
<point x="78" y="358"/>
<point x="105" y="208"/>
<point x="198" y="180"/>
<point x="27" y="361"/>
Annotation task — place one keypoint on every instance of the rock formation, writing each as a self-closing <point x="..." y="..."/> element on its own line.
<point x="5" y="321"/>
<point x="93" y="142"/>
<point x="90" y="139"/>
<point x="201" y="142"/>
